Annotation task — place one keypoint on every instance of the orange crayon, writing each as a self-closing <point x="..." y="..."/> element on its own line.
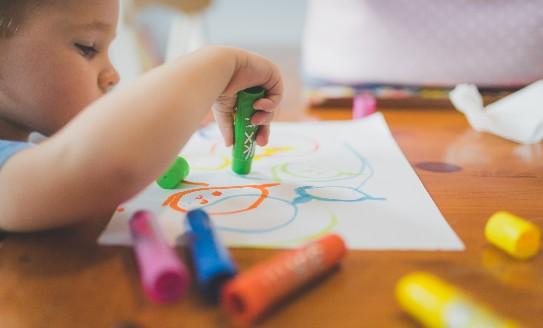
<point x="252" y="292"/>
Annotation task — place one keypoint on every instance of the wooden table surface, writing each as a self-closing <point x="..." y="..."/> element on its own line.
<point x="64" y="279"/>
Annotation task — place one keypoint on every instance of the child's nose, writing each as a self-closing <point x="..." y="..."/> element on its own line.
<point x="108" y="79"/>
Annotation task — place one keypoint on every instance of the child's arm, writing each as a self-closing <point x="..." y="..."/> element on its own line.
<point x="123" y="141"/>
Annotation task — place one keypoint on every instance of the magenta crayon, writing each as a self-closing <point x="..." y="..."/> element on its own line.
<point x="163" y="276"/>
<point x="363" y="105"/>
<point x="251" y="293"/>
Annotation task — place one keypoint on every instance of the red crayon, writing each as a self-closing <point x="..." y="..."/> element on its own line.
<point x="252" y="292"/>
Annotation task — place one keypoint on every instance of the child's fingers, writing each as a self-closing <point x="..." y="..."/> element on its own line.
<point x="225" y="121"/>
<point x="265" y="104"/>
<point x="261" y="118"/>
<point x="274" y="95"/>
<point x="263" y="134"/>
<point x="223" y="112"/>
<point x="274" y="88"/>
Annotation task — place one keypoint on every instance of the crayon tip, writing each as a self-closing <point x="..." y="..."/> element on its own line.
<point x="169" y="287"/>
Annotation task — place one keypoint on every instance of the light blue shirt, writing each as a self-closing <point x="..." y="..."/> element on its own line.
<point x="9" y="148"/>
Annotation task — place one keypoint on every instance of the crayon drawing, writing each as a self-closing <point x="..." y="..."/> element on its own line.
<point x="313" y="178"/>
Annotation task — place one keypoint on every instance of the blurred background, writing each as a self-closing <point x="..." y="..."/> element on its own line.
<point x="404" y="53"/>
<point x="154" y="31"/>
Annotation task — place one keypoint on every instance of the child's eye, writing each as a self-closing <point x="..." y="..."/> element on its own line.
<point x="86" y="51"/>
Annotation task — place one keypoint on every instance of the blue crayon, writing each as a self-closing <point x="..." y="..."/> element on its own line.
<point x="212" y="263"/>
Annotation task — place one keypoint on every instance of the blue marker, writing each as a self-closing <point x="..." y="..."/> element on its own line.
<point x="211" y="259"/>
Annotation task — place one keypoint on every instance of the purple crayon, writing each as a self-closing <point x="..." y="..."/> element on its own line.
<point x="163" y="276"/>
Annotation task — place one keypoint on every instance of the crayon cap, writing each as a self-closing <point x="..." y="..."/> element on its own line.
<point x="176" y="173"/>
<point x="424" y="297"/>
<point x="436" y="303"/>
<point x="514" y="235"/>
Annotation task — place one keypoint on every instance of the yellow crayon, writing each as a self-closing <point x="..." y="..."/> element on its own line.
<point x="516" y="236"/>
<point x="437" y="304"/>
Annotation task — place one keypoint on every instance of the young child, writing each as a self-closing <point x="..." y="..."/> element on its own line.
<point x="103" y="148"/>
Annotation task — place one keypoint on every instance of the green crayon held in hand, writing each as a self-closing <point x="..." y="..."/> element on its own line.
<point x="244" y="131"/>
<point x="177" y="172"/>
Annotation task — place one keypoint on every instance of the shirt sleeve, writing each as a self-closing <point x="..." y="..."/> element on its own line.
<point x="10" y="148"/>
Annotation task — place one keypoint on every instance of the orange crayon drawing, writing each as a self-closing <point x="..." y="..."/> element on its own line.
<point x="216" y="193"/>
<point x="173" y="200"/>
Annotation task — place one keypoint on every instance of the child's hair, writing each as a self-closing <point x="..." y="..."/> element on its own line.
<point x="12" y="14"/>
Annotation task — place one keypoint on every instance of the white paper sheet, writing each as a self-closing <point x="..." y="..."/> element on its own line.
<point x="348" y="177"/>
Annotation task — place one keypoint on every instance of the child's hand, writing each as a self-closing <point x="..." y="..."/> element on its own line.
<point x="251" y="70"/>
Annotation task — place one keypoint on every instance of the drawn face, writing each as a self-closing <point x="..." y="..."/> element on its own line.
<point x="284" y="201"/>
<point x="235" y="206"/>
<point x="199" y="197"/>
<point x="250" y="210"/>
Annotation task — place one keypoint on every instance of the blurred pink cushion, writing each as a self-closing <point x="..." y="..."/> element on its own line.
<point x="424" y="42"/>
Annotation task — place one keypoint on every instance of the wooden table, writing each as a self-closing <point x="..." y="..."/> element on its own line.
<point x="64" y="279"/>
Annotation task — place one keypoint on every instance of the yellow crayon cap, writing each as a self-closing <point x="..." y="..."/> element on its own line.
<point x="424" y="297"/>
<point x="516" y="236"/>
<point x="438" y="304"/>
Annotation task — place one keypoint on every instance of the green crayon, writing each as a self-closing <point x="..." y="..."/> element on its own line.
<point x="244" y="131"/>
<point x="177" y="172"/>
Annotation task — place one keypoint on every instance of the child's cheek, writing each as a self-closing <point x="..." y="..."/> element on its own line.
<point x="70" y="95"/>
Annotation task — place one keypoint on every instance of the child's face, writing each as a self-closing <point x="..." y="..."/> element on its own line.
<point x="57" y="64"/>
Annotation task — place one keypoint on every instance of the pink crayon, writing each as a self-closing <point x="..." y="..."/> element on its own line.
<point x="163" y="276"/>
<point x="363" y="105"/>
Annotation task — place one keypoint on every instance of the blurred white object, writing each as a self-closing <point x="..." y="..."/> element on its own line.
<point x="141" y="42"/>
<point x="124" y="50"/>
<point x="423" y="42"/>
<point x="517" y="117"/>
<point x="187" y="33"/>
<point x="124" y="54"/>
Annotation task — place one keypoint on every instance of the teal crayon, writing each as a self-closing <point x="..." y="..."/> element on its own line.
<point x="244" y="131"/>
